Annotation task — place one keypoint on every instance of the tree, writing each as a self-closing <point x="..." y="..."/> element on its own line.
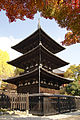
<point x="6" y="70"/>
<point x="74" y="87"/>
<point x="73" y="72"/>
<point x="18" y="71"/>
<point x="17" y="9"/>
<point x="65" y="12"/>
<point x="70" y="39"/>
<point x="67" y="16"/>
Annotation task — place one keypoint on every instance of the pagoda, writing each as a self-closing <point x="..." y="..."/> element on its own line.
<point x="38" y="61"/>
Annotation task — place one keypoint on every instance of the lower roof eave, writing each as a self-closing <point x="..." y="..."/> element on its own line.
<point x="44" y="73"/>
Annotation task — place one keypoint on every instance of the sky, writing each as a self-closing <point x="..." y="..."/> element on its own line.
<point x="13" y="33"/>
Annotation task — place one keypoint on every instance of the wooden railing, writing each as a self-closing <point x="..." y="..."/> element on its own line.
<point x="47" y="104"/>
<point x="15" y="101"/>
<point x="19" y="101"/>
<point x="40" y="104"/>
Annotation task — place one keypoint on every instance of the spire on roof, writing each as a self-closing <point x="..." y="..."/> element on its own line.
<point x="39" y="23"/>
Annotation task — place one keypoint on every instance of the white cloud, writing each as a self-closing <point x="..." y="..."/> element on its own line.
<point x="6" y="43"/>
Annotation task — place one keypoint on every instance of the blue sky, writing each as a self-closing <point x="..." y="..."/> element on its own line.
<point x="12" y="33"/>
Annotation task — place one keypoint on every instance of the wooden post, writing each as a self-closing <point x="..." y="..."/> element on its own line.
<point x="42" y="105"/>
<point x="11" y="102"/>
<point x="69" y="102"/>
<point x="39" y="57"/>
<point x="58" y="104"/>
<point x="20" y="99"/>
<point x="27" y="103"/>
<point x="39" y="79"/>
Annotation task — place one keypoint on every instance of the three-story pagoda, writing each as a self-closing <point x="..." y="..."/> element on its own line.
<point x="38" y="61"/>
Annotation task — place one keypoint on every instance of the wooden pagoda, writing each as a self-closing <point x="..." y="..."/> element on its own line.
<point x="38" y="61"/>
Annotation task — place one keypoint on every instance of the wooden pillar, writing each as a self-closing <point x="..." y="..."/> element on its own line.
<point x="39" y="79"/>
<point x="69" y="102"/>
<point x="27" y="103"/>
<point x="59" y="104"/>
<point x="39" y="56"/>
<point x="11" y="102"/>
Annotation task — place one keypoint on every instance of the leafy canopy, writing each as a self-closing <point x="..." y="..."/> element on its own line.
<point x="73" y="72"/>
<point x="74" y="87"/>
<point x="17" y="9"/>
<point x="6" y="70"/>
<point x="65" y="12"/>
<point x="71" y="38"/>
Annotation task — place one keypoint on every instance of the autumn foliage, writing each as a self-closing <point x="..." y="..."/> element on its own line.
<point x="18" y="9"/>
<point x="70" y="39"/>
<point x="65" y="12"/>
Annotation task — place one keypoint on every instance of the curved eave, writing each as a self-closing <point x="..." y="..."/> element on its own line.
<point x="54" y="59"/>
<point x="57" y="45"/>
<point x="18" y="62"/>
<point x="35" y="73"/>
<point x="20" y="46"/>
<point x="56" y="77"/>
<point x="15" y="80"/>
<point x="27" y="58"/>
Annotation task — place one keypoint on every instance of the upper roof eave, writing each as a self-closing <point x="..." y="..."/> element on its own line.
<point x="15" y="46"/>
<point x="52" y="39"/>
<point x="19" y="46"/>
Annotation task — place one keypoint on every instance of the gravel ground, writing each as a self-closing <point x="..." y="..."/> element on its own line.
<point x="76" y="117"/>
<point x="23" y="116"/>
